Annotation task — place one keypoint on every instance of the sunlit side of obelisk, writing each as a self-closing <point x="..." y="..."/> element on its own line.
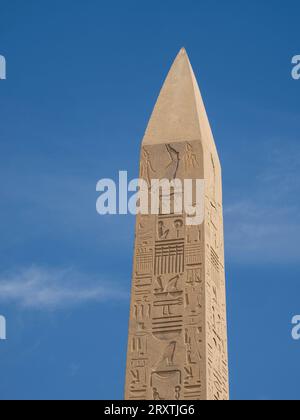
<point x="177" y="346"/>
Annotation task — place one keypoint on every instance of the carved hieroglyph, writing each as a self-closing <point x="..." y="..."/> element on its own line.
<point x="177" y="348"/>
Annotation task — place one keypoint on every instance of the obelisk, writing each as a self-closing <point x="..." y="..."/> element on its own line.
<point x="177" y="347"/>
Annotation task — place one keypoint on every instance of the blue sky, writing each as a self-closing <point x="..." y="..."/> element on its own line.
<point x="82" y="79"/>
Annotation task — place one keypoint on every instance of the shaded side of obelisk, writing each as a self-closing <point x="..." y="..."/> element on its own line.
<point x="177" y="347"/>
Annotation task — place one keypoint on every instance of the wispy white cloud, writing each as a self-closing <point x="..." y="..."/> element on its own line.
<point x="48" y="289"/>
<point x="256" y="232"/>
<point x="264" y="225"/>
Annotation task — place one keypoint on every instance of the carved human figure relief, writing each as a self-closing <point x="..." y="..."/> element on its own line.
<point x="189" y="157"/>
<point x="147" y="169"/>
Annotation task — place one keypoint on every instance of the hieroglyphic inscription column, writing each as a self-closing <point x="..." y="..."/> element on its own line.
<point x="177" y="347"/>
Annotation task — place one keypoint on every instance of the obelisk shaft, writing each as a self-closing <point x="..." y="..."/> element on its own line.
<point x="177" y="348"/>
